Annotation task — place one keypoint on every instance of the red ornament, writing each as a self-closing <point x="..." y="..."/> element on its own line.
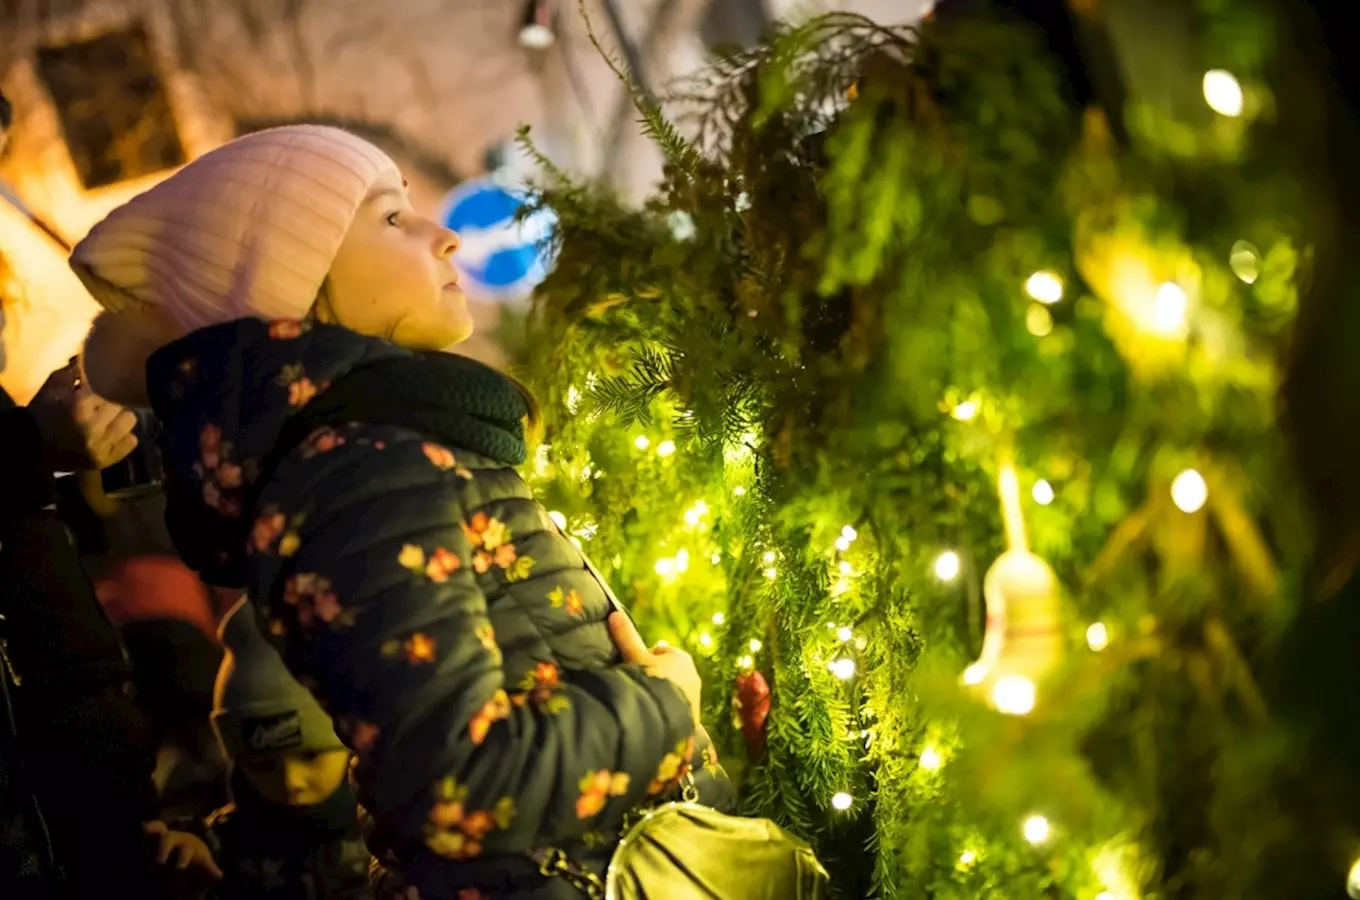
<point x="750" y="709"/>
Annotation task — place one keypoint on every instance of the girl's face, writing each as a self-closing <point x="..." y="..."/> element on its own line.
<point x="296" y="778"/>
<point x="393" y="277"/>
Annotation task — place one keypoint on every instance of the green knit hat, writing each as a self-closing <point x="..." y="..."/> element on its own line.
<point x="258" y="707"/>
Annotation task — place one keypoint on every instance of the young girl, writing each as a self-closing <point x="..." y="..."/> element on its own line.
<point x="281" y="306"/>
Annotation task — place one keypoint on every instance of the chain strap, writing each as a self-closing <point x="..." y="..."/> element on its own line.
<point x="555" y="863"/>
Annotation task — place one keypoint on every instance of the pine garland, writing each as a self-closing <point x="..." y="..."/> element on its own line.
<point x="778" y="392"/>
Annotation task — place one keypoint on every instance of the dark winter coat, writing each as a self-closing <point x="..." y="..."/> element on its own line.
<point x="417" y="588"/>
<point x="75" y="753"/>
<point x="272" y="852"/>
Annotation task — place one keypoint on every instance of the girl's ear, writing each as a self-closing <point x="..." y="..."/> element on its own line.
<point x="117" y="348"/>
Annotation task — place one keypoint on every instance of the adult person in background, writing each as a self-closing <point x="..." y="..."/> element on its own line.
<point x="77" y="803"/>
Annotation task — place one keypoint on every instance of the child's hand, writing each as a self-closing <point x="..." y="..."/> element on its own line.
<point x="676" y="666"/>
<point x="184" y="847"/>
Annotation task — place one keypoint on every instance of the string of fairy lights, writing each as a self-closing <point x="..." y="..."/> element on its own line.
<point x="1164" y="315"/>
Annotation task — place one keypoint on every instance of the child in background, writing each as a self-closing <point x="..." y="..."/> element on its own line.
<point x="292" y="832"/>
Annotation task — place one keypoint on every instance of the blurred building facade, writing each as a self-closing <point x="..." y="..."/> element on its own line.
<point x="111" y="95"/>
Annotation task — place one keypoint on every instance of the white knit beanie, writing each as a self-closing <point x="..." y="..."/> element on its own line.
<point x="248" y="229"/>
<point x="258" y="707"/>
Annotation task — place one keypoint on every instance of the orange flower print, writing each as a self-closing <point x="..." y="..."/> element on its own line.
<point x="266" y="531"/>
<point x="545" y="674"/>
<point x="441" y="565"/>
<point x="323" y="440"/>
<point x="301" y="392"/>
<point x="452" y="832"/>
<point x="478" y="824"/>
<point x="441" y="457"/>
<point x="473" y="529"/>
<point x="569" y="600"/>
<point x="596" y="789"/>
<point x="327" y="607"/>
<point x="290" y="544"/>
<point x="505" y="555"/>
<point x="495" y="709"/>
<point x="482" y="563"/>
<point x="420" y="648"/>
<point x="229" y="476"/>
<point x="285" y="329"/>
<point x="486" y="532"/>
<point x="674" y="767"/>
<point x="412" y="557"/>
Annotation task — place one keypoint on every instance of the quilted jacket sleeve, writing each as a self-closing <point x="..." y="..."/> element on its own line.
<point x="363" y="562"/>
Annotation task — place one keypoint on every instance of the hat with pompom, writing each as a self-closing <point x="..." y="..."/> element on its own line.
<point x="247" y="230"/>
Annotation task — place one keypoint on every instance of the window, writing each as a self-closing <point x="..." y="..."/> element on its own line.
<point x="112" y="105"/>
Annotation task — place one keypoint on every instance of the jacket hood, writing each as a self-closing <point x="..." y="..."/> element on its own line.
<point x="223" y="395"/>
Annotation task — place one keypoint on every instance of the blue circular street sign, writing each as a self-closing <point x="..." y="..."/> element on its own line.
<point x="500" y="257"/>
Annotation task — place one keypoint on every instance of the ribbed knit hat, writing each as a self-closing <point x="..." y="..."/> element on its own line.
<point x="258" y="707"/>
<point x="247" y="229"/>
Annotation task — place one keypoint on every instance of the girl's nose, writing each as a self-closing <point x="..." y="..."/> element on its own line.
<point x="446" y="244"/>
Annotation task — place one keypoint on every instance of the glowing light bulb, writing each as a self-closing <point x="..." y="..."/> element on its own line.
<point x="1046" y="287"/>
<point x="746" y="662"/>
<point x="1043" y="492"/>
<point x="715" y="558"/>
<point x="843" y="668"/>
<point x="842" y="801"/>
<point x="665" y="567"/>
<point x="967" y="858"/>
<point x="719" y="618"/>
<point x="947" y="566"/>
<point x="1014" y="695"/>
<point x="842" y="544"/>
<point x="974" y="674"/>
<point x="1223" y="93"/>
<point x="682" y="561"/>
<point x="844" y="634"/>
<point x="1168" y="311"/>
<point x="846" y="568"/>
<point x="930" y="759"/>
<point x="739" y="491"/>
<point x="1245" y="261"/>
<point x="665" y="448"/>
<point x="755" y="645"/>
<point x="1036" y="829"/>
<point x="768" y="556"/>
<point x="1353" y="881"/>
<point x="771" y="573"/>
<point x="966" y="410"/>
<point x="1104" y="895"/>
<point x="642" y="442"/>
<point x="849" y="533"/>
<point x="558" y="519"/>
<point x="1039" y="321"/>
<point x="1097" y="636"/>
<point x="705" y="639"/>
<point x="1189" y="492"/>
<point x="695" y="514"/>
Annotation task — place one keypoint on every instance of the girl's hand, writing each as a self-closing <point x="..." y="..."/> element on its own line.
<point x="676" y="666"/>
<point x="186" y="849"/>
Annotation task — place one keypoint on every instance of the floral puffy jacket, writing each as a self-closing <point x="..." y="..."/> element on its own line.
<point x="456" y="637"/>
